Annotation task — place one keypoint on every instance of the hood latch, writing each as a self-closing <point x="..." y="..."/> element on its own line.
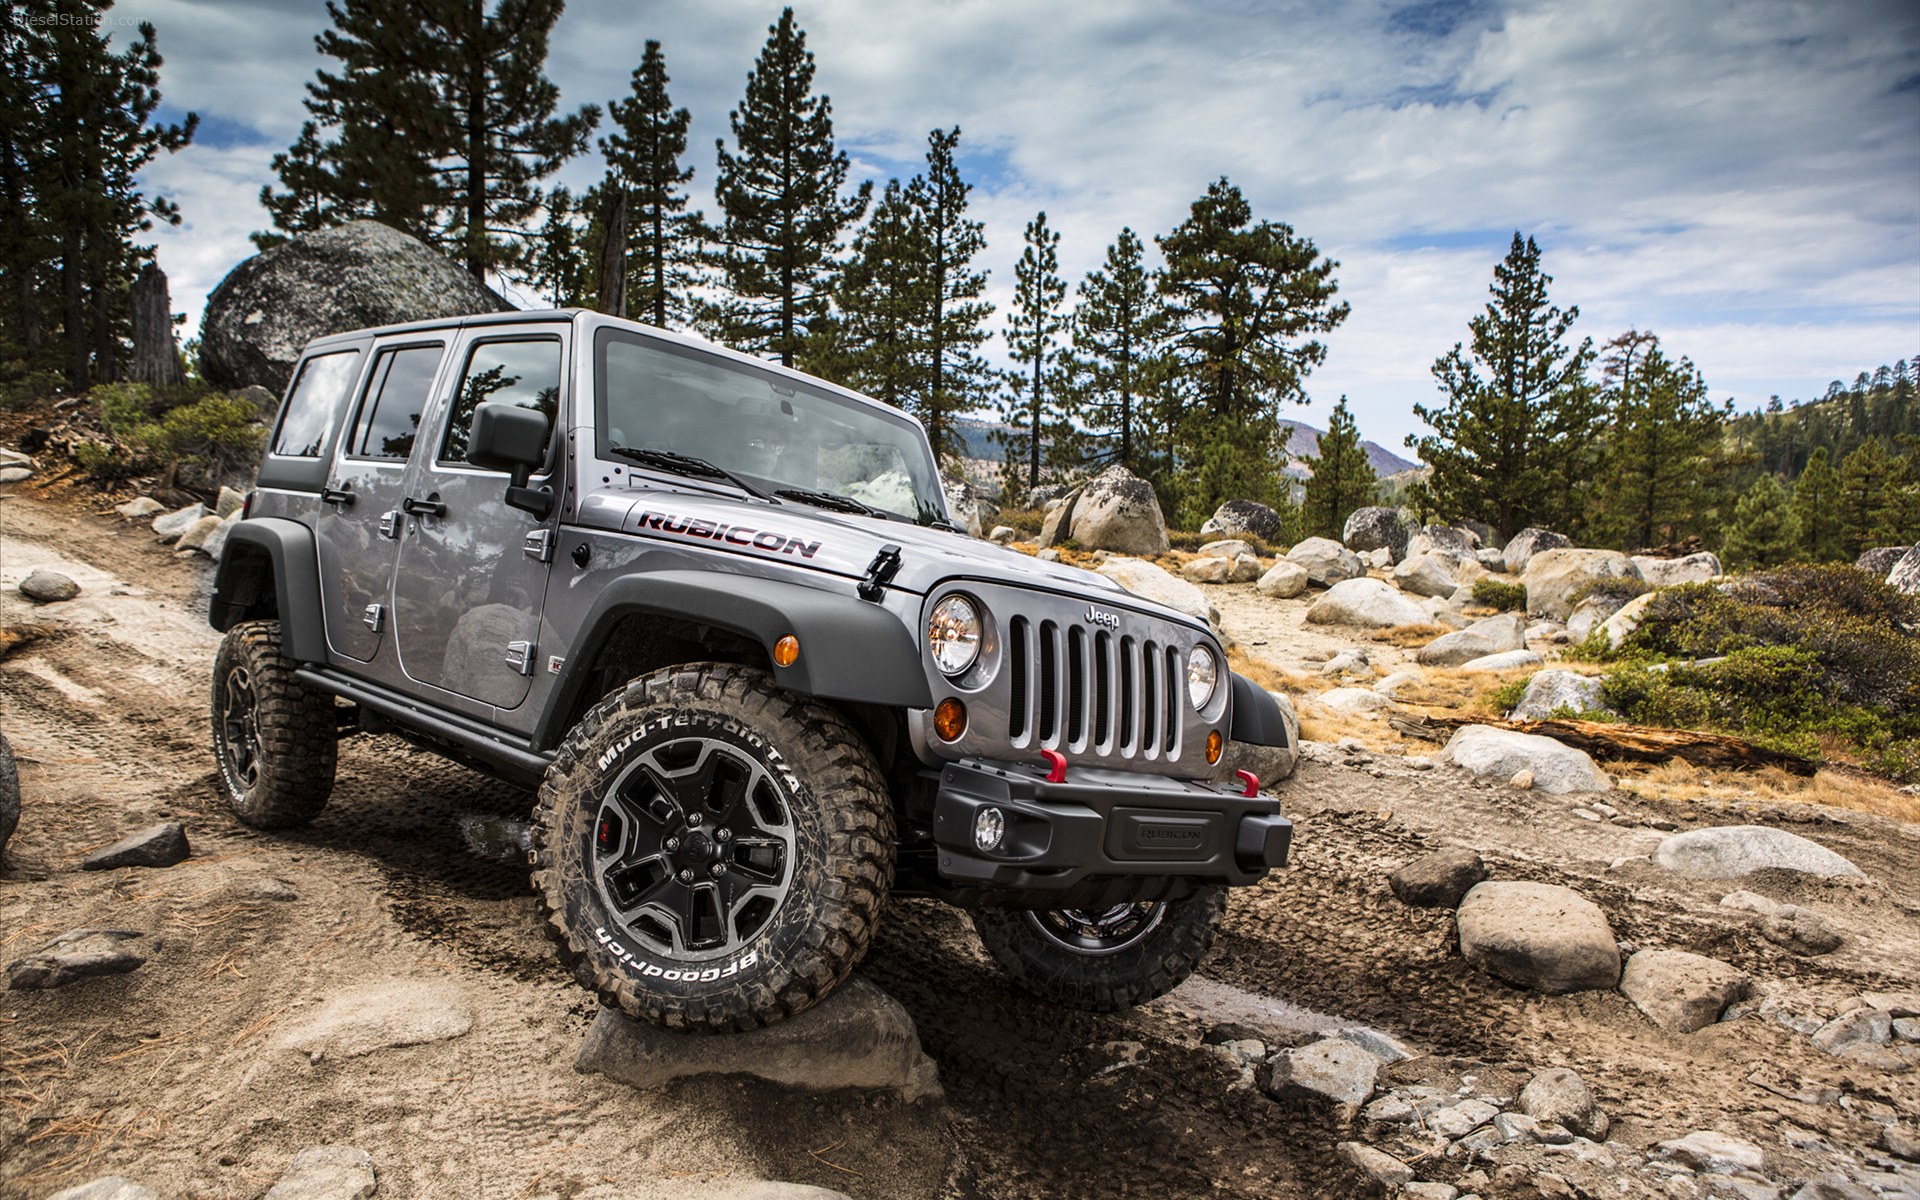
<point x="883" y="567"/>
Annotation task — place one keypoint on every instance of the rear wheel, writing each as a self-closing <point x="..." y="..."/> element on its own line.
<point x="712" y="852"/>
<point x="1104" y="960"/>
<point x="274" y="739"/>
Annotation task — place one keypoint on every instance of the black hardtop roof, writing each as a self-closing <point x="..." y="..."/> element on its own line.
<point x="471" y="320"/>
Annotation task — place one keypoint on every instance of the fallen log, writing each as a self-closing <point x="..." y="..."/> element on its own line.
<point x="1623" y="743"/>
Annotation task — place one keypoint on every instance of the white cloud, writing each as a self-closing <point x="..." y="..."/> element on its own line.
<point x="1742" y="176"/>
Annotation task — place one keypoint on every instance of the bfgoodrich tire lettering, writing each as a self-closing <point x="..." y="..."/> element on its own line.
<point x="711" y="852"/>
<point x="1103" y="962"/>
<point x="275" y="741"/>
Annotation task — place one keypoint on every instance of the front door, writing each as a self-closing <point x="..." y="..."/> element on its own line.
<point x="358" y="528"/>
<point x="470" y="586"/>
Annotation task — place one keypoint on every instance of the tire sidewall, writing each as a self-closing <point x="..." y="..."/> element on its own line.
<point x="787" y="945"/>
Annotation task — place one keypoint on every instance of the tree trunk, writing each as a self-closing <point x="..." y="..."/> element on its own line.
<point x="613" y="254"/>
<point x="156" y="360"/>
<point x="74" y="311"/>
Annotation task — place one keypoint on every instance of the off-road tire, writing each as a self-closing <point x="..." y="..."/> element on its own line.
<point x="9" y="795"/>
<point x="839" y="856"/>
<point x="289" y="775"/>
<point x="1153" y="964"/>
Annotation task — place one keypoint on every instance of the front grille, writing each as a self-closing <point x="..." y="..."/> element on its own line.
<point x="1084" y="691"/>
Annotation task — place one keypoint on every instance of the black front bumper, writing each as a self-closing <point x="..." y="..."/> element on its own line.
<point x="1099" y="834"/>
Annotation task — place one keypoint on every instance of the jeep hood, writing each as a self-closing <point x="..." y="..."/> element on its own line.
<point x="838" y="543"/>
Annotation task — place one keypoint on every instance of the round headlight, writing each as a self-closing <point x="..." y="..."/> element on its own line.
<point x="953" y="634"/>
<point x="1202" y="674"/>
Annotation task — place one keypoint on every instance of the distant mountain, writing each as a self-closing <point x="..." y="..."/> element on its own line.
<point x="1303" y="442"/>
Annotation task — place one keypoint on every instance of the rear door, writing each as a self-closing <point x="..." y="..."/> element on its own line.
<point x="472" y="573"/>
<point x="358" y="531"/>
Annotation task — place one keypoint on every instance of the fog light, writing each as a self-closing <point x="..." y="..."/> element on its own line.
<point x="786" y="650"/>
<point x="950" y="719"/>
<point x="1214" y="745"/>
<point x="988" y="828"/>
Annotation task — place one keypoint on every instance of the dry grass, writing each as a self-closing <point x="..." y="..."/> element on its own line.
<point x="1408" y="637"/>
<point x="1272" y="678"/>
<point x="1455" y="690"/>
<point x="1682" y="782"/>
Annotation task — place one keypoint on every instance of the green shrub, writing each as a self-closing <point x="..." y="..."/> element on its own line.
<point x="1616" y="590"/>
<point x="1506" y="597"/>
<point x="1503" y="698"/>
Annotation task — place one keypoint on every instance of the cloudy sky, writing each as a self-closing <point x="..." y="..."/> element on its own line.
<point x="1741" y="177"/>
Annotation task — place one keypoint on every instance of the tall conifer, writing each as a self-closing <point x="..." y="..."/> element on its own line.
<point x="952" y="323"/>
<point x="1034" y="327"/>
<point x="1816" y="508"/>
<point x="1343" y="479"/>
<point x="643" y="158"/>
<point x="1654" y="488"/>
<point x="1118" y="366"/>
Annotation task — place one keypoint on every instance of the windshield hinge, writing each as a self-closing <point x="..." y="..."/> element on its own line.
<point x="881" y="569"/>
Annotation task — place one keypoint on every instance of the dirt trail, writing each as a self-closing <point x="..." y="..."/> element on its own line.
<point x="178" y="1075"/>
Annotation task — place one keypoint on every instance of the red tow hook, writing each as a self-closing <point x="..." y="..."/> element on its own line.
<point x="1251" y="780"/>
<point x="1056" y="766"/>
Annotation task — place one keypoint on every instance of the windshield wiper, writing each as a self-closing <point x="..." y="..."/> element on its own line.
<point x="685" y="464"/>
<point x="830" y="500"/>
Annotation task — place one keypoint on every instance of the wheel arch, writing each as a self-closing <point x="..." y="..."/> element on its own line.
<point x="270" y="569"/>
<point x="850" y="651"/>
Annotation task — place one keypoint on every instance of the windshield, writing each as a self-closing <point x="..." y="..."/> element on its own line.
<point x="773" y="431"/>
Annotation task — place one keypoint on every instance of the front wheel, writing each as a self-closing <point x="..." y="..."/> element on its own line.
<point x="275" y="740"/>
<point x="1105" y="960"/>
<point x="711" y="852"/>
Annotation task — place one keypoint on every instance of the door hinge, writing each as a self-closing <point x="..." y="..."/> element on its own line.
<point x="390" y="523"/>
<point x="375" y="616"/>
<point x="539" y="545"/>
<point x="520" y="657"/>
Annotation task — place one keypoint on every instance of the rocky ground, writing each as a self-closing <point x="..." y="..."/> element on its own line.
<point x="370" y="982"/>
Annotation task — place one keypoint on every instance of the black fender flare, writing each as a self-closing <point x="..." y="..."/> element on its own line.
<point x="1256" y="718"/>
<point x="289" y="548"/>
<point x="849" y="649"/>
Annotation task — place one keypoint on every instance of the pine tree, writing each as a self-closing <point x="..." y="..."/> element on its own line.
<point x="1343" y="479"/>
<point x="1763" y="533"/>
<point x="1816" y="509"/>
<point x="443" y="124"/>
<point x="557" y="267"/>
<point x="643" y="157"/>
<point x="1117" y="367"/>
<point x="952" y="323"/>
<point x="874" y="344"/>
<point x="1243" y="302"/>
<point x="1514" y="442"/>
<point x="1865" y="511"/>
<point x="1659" y="453"/>
<point x="78" y="134"/>
<point x="783" y="213"/>
<point x="1900" y="516"/>
<point x="1034" y="325"/>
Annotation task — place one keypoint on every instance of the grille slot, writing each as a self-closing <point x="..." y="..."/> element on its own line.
<point x="1018" y="677"/>
<point x="1076" y="733"/>
<point x="1102" y="734"/>
<point x="1049" y="683"/>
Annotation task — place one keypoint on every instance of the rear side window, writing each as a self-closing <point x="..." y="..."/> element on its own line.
<point x="390" y="415"/>
<point x="526" y="373"/>
<point x="319" y="392"/>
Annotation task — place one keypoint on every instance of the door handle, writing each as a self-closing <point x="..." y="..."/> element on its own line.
<point x="343" y="497"/>
<point x="423" y="508"/>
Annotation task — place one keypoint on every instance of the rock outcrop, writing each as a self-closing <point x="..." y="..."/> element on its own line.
<point x="1244" y="518"/>
<point x="1425" y="575"/>
<point x="1681" y="992"/>
<point x="1378" y="529"/>
<point x="1554" y="578"/>
<point x="1522" y="546"/>
<point x="1730" y="851"/>
<point x="1118" y="511"/>
<point x="1327" y="561"/>
<point x="1500" y="754"/>
<point x="1905" y="575"/>
<point x="1669" y="572"/>
<point x="1367" y="603"/>
<point x="356" y="275"/>
<point x="1549" y="692"/>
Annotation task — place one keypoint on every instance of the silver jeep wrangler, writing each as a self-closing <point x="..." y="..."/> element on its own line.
<point x="716" y="611"/>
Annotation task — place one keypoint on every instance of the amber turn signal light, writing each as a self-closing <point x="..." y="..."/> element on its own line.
<point x="950" y="719"/>
<point x="1214" y="745"/>
<point x="787" y="650"/>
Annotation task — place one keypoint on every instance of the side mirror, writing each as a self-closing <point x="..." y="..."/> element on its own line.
<point x="507" y="437"/>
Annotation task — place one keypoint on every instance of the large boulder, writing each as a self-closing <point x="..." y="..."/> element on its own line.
<point x="1625" y="619"/>
<point x="1558" y="1096"/>
<point x="1539" y="936"/>
<point x="1522" y="546"/>
<point x="1146" y="580"/>
<point x="1500" y="754"/>
<point x="859" y="1037"/>
<point x="1118" y="511"/>
<point x="1730" y="851"/>
<point x="1668" y="572"/>
<point x="1368" y="603"/>
<point x="1491" y="635"/>
<point x="1554" y="578"/>
<point x="1283" y="581"/>
<point x="1426" y="575"/>
<point x="1438" y="880"/>
<point x="356" y="275"/>
<point x="1378" y="529"/>
<point x="1450" y="542"/>
<point x="1549" y="692"/>
<point x="1905" y="575"/>
<point x="963" y="502"/>
<point x="1879" y="560"/>
<point x="1244" y="518"/>
<point x="1327" y="561"/>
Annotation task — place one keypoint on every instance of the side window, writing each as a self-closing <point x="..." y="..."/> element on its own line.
<point x="526" y="373"/>
<point x="390" y="415"/>
<point x="314" y="402"/>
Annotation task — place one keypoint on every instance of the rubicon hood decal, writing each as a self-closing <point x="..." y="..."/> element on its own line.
<point x="738" y="535"/>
